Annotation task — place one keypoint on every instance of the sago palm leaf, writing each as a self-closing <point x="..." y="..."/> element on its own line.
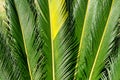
<point x="97" y="35"/>
<point x="27" y="52"/>
<point x="60" y="40"/>
<point x="15" y="39"/>
<point x="56" y="59"/>
<point x="57" y="30"/>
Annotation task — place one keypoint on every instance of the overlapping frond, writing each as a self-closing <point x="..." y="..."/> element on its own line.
<point x="95" y="34"/>
<point x="17" y="37"/>
<point x="57" y="28"/>
<point x="91" y="35"/>
<point x="60" y="40"/>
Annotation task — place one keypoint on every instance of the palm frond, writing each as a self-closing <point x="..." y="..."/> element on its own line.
<point x="95" y="38"/>
<point x="60" y="40"/>
<point x="31" y="39"/>
<point x="60" y="46"/>
<point x="22" y="41"/>
<point x="15" y="39"/>
<point x="79" y="11"/>
<point x="43" y="22"/>
<point x="106" y="38"/>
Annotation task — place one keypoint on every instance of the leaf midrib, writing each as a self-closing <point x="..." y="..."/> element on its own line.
<point x="53" y="68"/>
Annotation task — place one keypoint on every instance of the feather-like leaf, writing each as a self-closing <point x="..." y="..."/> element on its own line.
<point x="60" y="40"/>
<point x="60" y="44"/>
<point x="91" y="54"/>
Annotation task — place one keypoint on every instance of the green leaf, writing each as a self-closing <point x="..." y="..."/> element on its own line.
<point x="96" y="38"/>
<point x="106" y="37"/>
<point x="60" y="40"/>
<point x="31" y="43"/>
<point x="43" y="22"/>
<point x="60" y="45"/>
